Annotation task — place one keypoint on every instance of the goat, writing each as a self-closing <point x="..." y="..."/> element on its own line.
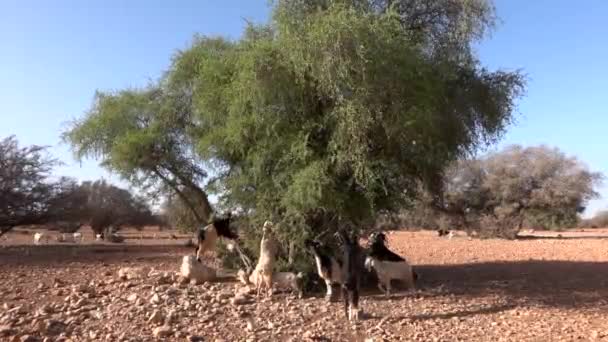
<point x="286" y="280"/>
<point x="329" y="267"/>
<point x="38" y="237"/>
<point x="65" y="238"/>
<point x="77" y="237"/>
<point x="388" y="265"/>
<point x="442" y="232"/>
<point x="352" y="272"/>
<point x="207" y="236"/>
<point x="263" y="272"/>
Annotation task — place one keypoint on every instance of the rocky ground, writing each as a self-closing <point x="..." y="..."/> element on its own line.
<point x="533" y="289"/>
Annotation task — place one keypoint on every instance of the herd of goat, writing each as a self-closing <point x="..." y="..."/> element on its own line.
<point x="344" y="268"/>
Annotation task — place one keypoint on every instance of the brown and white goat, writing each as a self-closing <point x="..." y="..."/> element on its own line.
<point x="263" y="272"/>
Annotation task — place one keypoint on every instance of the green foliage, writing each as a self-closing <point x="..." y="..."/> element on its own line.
<point x="330" y="113"/>
<point x="143" y="136"/>
<point x="337" y="109"/>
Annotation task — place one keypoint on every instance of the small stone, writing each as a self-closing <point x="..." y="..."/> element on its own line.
<point x="249" y="325"/>
<point x="6" y="330"/>
<point x="239" y="300"/>
<point x="156" y="317"/>
<point x="54" y="327"/>
<point x="163" y="331"/>
<point x="132" y="297"/>
<point x="30" y="338"/>
<point x="155" y="299"/>
<point x="171" y="316"/>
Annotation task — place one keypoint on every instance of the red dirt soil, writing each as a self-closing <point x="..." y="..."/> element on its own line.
<point x="538" y="288"/>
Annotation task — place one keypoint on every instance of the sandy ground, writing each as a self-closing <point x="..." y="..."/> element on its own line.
<point x="538" y="288"/>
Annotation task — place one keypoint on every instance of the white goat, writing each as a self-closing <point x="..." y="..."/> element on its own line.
<point x="38" y="237"/>
<point x="388" y="265"/>
<point x="263" y="272"/>
<point x="77" y="237"/>
<point x="65" y="238"/>
<point x="281" y="280"/>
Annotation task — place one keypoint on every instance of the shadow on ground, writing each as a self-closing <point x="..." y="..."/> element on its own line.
<point x="568" y="284"/>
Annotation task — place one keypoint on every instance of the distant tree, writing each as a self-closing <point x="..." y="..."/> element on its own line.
<point x="599" y="220"/>
<point x="109" y="207"/>
<point x="499" y="193"/>
<point x="27" y="194"/>
<point x="179" y="215"/>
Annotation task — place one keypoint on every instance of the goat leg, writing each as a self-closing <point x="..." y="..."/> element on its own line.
<point x="328" y="295"/>
<point x="354" y="304"/>
<point x="346" y="303"/>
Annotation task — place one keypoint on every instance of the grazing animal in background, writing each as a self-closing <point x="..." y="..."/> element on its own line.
<point x="77" y="237"/>
<point x="329" y="267"/>
<point x="263" y="272"/>
<point x="442" y="232"/>
<point x="207" y="236"/>
<point x="39" y="237"/>
<point x="352" y="272"/>
<point x="388" y="265"/>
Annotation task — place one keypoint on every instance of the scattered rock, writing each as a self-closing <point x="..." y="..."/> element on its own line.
<point x="30" y="338"/>
<point x="156" y="317"/>
<point x="7" y="330"/>
<point x="162" y="331"/>
<point x="240" y="300"/>
<point x="194" y="338"/>
<point x="130" y="273"/>
<point x="54" y="327"/>
<point x="155" y="299"/>
<point x="132" y="297"/>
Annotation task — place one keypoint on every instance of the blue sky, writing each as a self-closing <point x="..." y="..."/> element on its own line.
<point x="55" y="54"/>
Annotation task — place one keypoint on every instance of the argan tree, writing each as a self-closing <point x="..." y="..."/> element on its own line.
<point x="323" y="117"/>
<point x="499" y="193"/>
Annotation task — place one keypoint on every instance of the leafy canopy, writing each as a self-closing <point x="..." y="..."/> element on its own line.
<point x="325" y="116"/>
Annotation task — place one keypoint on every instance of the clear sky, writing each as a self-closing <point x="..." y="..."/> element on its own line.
<point x="55" y="54"/>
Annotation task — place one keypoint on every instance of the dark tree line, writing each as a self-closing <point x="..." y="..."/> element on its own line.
<point x="29" y="195"/>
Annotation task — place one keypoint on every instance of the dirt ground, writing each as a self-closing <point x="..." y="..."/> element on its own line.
<point x="537" y="288"/>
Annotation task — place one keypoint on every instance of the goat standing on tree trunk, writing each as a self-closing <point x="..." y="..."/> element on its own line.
<point x="263" y="272"/>
<point x="207" y="236"/>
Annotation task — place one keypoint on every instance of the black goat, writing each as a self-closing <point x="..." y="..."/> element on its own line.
<point x="207" y="236"/>
<point x="352" y="272"/>
<point x="329" y="267"/>
<point x="388" y="265"/>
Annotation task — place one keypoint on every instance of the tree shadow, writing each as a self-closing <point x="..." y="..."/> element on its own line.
<point x="460" y="314"/>
<point x="59" y="254"/>
<point x="569" y="284"/>
<point x="538" y="237"/>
